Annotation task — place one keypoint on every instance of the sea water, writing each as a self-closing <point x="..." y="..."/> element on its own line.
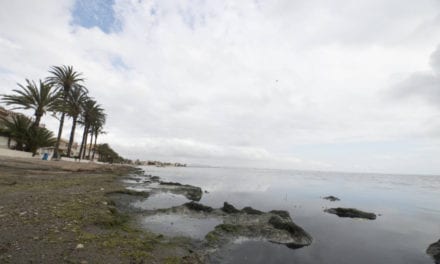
<point x="408" y="209"/>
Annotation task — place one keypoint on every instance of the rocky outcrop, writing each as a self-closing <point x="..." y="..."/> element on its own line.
<point x="351" y="213"/>
<point x="229" y="208"/>
<point x="275" y="226"/>
<point x="198" y="207"/>
<point x="252" y="211"/>
<point x="434" y="251"/>
<point x="331" y="198"/>
<point x="192" y="193"/>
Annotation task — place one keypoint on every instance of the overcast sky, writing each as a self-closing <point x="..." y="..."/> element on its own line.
<point x="317" y="85"/>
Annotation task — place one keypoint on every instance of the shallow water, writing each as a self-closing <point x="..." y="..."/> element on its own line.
<point x="160" y="201"/>
<point x="178" y="225"/>
<point x="409" y="208"/>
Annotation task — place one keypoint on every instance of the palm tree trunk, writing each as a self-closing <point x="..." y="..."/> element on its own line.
<point x="86" y="134"/>
<point x="94" y="146"/>
<point x="91" y="143"/>
<point x="72" y="135"/>
<point x="60" y="131"/>
<point x="37" y="120"/>
<point x="81" y="149"/>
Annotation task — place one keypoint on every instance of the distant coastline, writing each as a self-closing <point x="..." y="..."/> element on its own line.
<point x="158" y="163"/>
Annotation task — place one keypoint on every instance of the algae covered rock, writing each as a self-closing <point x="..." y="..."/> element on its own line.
<point x="281" y="213"/>
<point x="434" y="251"/>
<point x="331" y="198"/>
<point x="229" y="208"/>
<point x="198" y="207"/>
<point x="275" y="226"/>
<point x="193" y="193"/>
<point x="252" y="211"/>
<point x="351" y="213"/>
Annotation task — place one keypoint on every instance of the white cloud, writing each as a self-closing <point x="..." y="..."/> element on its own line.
<point x="239" y="82"/>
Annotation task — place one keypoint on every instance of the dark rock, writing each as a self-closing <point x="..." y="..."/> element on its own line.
<point x="250" y="210"/>
<point x="170" y="183"/>
<point x="331" y="198"/>
<point x="275" y="227"/>
<point x="282" y="213"/>
<point x="191" y="192"/>
<point x="206" y="191"/>
<point x="198" y="207"/>
<point x="434" y="251"/>
<point x="267" y="226"/>
<point x="351" y="212"/>
<point x="229" y="208"/>
<point x="284" y="224"/>
<point x="154" y="178"/>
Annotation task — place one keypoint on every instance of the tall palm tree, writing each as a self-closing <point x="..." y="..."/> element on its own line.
<point x="92" y="111"/>
<point x="97" y="126"/>
<point x="64" y="78"/>
<point x="38" y="98"/>
<point x="73" y="108"/>
<point x="98" y="129"/>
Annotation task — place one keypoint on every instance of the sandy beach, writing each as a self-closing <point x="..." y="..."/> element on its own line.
<point x="58" y="212"/>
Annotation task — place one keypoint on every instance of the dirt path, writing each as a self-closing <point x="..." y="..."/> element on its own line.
<point x="58" y="212"/>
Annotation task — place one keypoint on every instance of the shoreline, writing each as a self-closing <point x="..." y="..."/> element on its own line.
<point x="59" y="212"/>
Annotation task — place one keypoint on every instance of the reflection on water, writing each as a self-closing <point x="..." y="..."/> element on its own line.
<point x="160" y="201"/>
<point x="408" y="206"/>
<point x="178" y="225"/>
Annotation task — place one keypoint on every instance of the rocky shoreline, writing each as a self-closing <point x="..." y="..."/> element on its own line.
<point x="275" y="226"/>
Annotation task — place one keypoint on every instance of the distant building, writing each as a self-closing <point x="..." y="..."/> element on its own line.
<point x="6" y="141"/>
<point x="62" y="149"/>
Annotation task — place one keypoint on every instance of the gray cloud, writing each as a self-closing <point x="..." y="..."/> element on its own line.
<point x="425" y="85"/>
<point x="241" y="82"/>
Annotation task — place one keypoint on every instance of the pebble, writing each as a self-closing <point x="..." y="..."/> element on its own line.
<point x="79" y="246"/>
<point x="23" y="213"/>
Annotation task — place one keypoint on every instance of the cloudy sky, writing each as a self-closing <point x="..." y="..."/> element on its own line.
<point x="317" y="85"/>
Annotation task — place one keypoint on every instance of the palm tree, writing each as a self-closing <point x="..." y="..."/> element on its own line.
<point x="64" y="78"/>
<point x="92" y="112"/>
<point x="40" y="99"/>
<point x="97" y="130"/>
<point x="16" y="128"/>
<point x="27" y="136"/>
<point x="73" y="108"/>
<point x="40" y="137"/>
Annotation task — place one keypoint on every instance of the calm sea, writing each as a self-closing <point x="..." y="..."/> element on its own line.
<point x="409" y="208"/>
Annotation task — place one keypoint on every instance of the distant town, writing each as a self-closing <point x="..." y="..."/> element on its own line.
<point x="158" y="163"/>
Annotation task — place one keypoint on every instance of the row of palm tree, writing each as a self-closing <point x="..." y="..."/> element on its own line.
<point x="62" y="93"/>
